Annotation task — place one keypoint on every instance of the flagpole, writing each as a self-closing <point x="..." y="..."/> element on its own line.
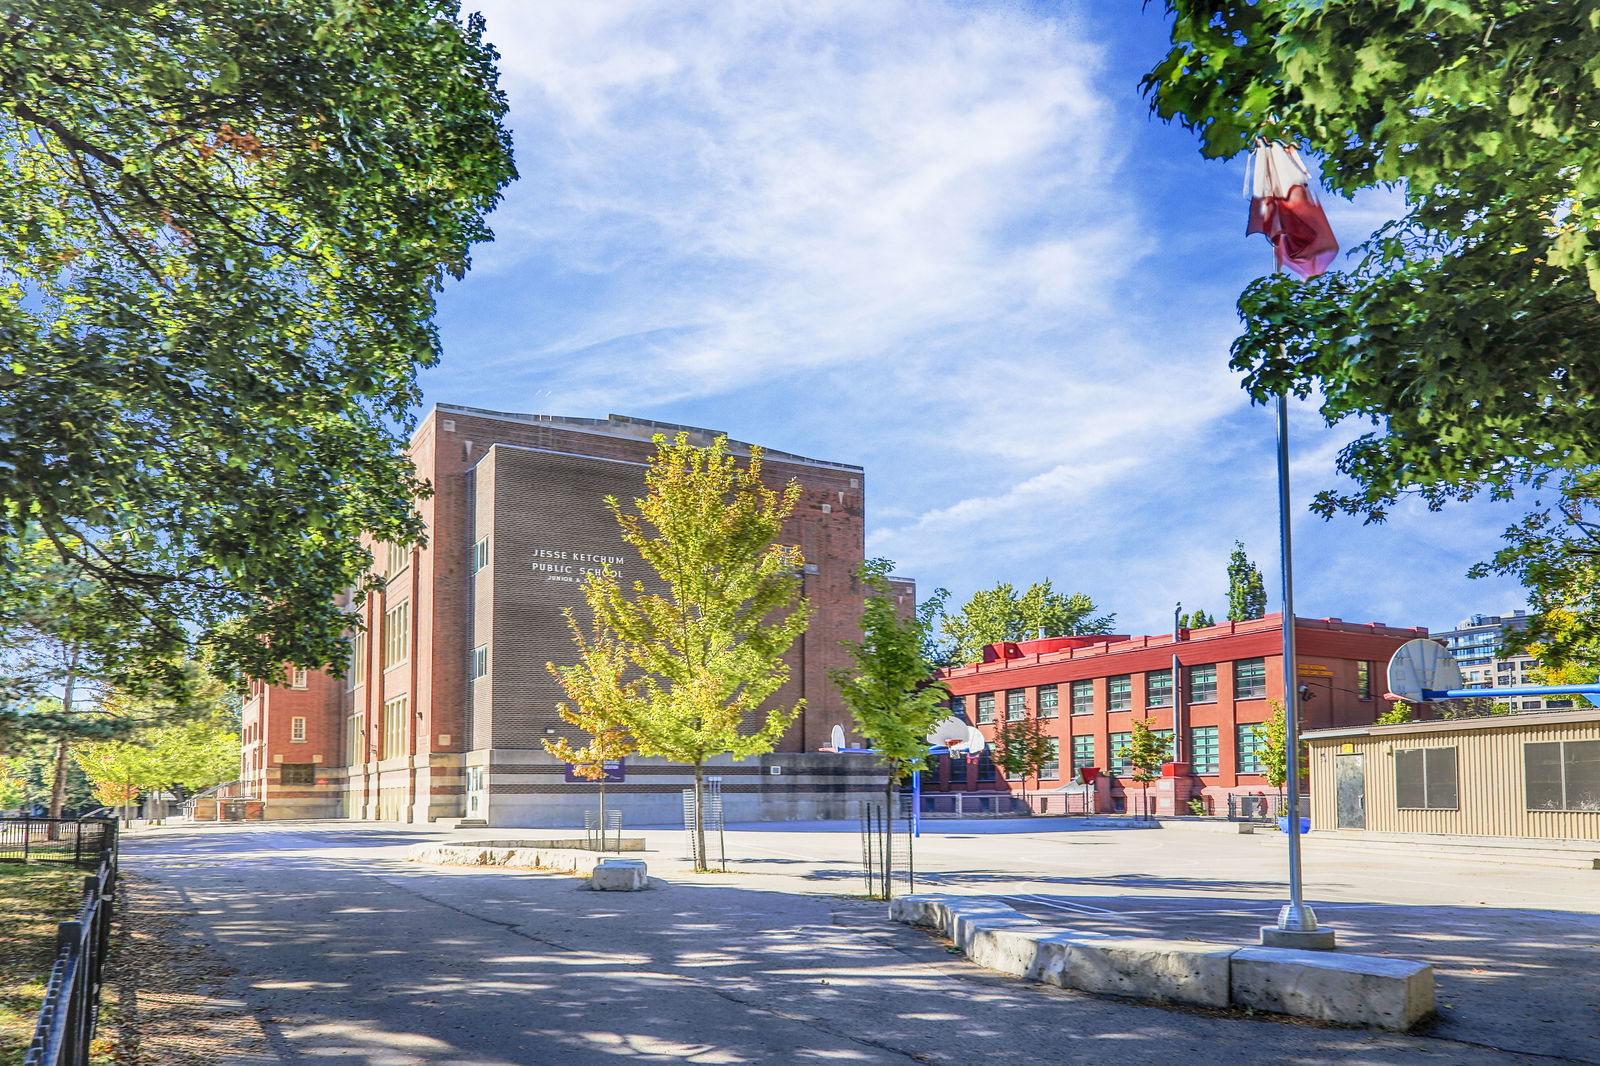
<point x="1297" y="922"/>
<point x="1272" y="181"/>
<point x="1296" y="916"/>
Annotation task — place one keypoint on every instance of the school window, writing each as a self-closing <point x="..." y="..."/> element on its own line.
<point x="480" y="555"/>
<point x="1083" y="697"/>
<point x="1082" y="751"/>
<point x="1250" y="751"/>
<point x="297" y="677"/>
<point x="1052" y="762"/>
<point x="1117" y="762"/>
<point x="958" y="707"/>
<point x="1562" y="775"/>
<point x="1249" y="679"/>
<point x="297" y="773"/>
<point x="1047" y="701"/>
<point x="396" y="558"/>
<point x="1158" y="688"/>
<point x="394" y="727"/>
<point x="1016" y="705"/>
<point x="355" y="738"/>
<point x="985" y="766"/>
<point x="1119" y="693"/>
<point x="358" y="660"/>
<point x="1203" y="753"/>
<point x="1364" y="681"/>
<point x="1164" y="738"/>
<point x="985" y="708"/>
<point x="397" y="635"/>
<point x="1425" y="779"/>
<point x="297" y="730"/>
<point x="1203" y="683"/>
<point x="958" y="768"/>
<point x="480" y="661"/>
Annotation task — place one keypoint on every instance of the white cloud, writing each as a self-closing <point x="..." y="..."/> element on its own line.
<point x="777" y="187"/>
<point x="907" y="234"/>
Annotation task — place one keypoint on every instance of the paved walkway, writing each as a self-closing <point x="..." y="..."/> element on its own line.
<point x="346" y="951"/>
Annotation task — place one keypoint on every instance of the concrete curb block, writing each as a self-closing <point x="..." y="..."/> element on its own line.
<point x="1370" y="990"/>
<point x="1165" y="971"/>
<point x="557" y="859"/>
<point x="1365" y="990"/>
<point x="620" y="875"/>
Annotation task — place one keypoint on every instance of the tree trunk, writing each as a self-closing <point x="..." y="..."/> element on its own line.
<point x="58" y="782"/>
<point x="58" y="786"/>
<point x="889" y="798"/>
<point x="701" y="859"/>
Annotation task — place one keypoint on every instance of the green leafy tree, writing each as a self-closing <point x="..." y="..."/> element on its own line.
<point x="702" y="658"/>
<point x="182" y="757"/>
<point x="1577" y="663"/>
<point x="1145" y="753"/>
<point x="1272" y="745"/>
<point x="1399" y="714"/>
<point x="1272" y="737"/>
<point x="1024" y="747"/>
<point x="157" y="745"/>
<point x="889" y="687"/>
<point x="1468" y="330"/>
<point x="13" y="789"/>
<point x="118" y="771"/>
<point x="33" y="764"/>
<point x="1196" y="619"/>
<point x="601" y="696"/>
<point x="223" y="229"/>
<point x="1002" y="614"/>
<point x="1555" y="553"/>
<point x="1247" y="593"/>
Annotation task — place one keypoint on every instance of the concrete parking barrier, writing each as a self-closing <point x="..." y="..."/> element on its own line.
<point x="1366" y="990"/>
<point x="1166" y="971"/>
<point x="620" y="875"/>
<point x="1371" y="990"/>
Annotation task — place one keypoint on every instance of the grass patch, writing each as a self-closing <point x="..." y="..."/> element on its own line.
<point x="33" y="899"/>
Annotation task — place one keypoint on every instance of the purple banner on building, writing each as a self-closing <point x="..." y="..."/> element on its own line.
<point x="616" y="770"/>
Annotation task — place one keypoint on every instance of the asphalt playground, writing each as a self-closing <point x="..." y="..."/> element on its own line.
<point x="782" y="959"/>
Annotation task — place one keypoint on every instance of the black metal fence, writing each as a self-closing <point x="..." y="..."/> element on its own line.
<point x="1251" y="808"/>
<point x="1264" y="809"/>
<point x="80" y="841"/>
<point x="71" y="1006"/>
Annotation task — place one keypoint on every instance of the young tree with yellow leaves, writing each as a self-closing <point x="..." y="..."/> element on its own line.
<point x="685" y="673"/>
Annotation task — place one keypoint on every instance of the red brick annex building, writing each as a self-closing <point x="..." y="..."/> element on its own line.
<point x="446" y="703"/>
<point x="1086" y="691"/>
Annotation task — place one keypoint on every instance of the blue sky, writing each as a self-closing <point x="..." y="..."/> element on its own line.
<point x="945" y="241"/>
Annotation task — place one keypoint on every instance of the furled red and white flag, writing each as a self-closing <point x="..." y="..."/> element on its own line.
<point x="1283" y="208"/>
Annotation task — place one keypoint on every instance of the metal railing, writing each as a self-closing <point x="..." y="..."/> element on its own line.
<point x="65" y="1029"/>
<point x="971" y="805"/>
<point x="1265" y="810"/>
<point x="80" y="841"/>
<point x="603" y="829"/>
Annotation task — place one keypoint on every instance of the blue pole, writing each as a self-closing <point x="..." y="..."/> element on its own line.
<point x="1431" y="694"/>
<point x="916" y="803"/>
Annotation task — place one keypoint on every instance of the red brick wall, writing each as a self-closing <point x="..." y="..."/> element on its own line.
<point x="1322" y="646"/>
<point x="470" y="494"/>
